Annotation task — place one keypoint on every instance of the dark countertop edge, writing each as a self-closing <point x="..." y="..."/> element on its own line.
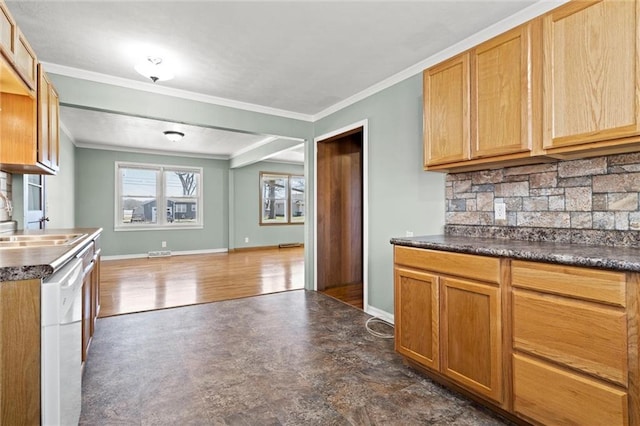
<point x="524" y="254"/>
<point x="38" y="272"/>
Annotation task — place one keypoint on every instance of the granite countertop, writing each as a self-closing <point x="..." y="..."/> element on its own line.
<point x="26" y="263"/>
<point x="604" y="257"/>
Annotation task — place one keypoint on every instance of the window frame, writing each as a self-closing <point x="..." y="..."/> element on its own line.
<point x="161" y="197"/>
<point x="288" y="200"/>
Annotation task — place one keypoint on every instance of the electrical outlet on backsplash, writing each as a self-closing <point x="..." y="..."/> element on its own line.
<point x="597" y="197"/>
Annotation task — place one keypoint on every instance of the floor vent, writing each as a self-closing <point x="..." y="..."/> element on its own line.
<point x="288" y="245"/>
<point x="160" y="253"/>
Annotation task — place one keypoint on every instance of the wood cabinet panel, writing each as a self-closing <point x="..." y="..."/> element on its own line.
<point x="7" y="31"/>
<point x="481" y="268"/>
<point x="584" y="283"/>
<point x="501" y="112"/>
<point x="471" y="336"/>
<point x="25" y="60"/>
<point x="580" y="335"/>
<point x="551" y="395"/>
<point x="48" y="132"/>
<point x="591" y="73"/>
<point x="446" y="111"/>
<point x="20" y="352"/>
<point x="417" y="316"/>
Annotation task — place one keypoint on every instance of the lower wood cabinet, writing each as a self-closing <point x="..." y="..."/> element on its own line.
<point x="417" y="316"/>
<point x="543" y="343"/>
<point x="20" y="348"/>
<point x="90" y="256"/>
<point x="471" y="336"/>
<point x="448" y="324"/>
<point x="575" y="345"/>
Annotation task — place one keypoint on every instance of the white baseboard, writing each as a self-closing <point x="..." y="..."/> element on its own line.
<point x="380" y="314"/>
<point x="173" y="253"/>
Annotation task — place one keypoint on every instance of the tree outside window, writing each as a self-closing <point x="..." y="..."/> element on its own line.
<point x="281" y="199"/>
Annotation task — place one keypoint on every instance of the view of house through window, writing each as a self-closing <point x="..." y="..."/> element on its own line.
<point x="281" y="198"/>
<point x="141" y="188"/>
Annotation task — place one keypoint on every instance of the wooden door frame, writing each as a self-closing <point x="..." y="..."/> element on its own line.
<point x="364" y="124"/>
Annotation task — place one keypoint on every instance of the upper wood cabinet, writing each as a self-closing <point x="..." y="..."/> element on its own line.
<point x="591" y="75"/>
<point x="446" y="112"/>
<point x="29" y="105"/>
<point x="48" y="132"/>
<point x="502" y="107"/>
<point x="7" y="32"/>
<point x="481" y="106"/>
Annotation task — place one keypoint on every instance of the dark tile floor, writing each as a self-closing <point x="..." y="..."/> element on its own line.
<point x="293" y="358"/>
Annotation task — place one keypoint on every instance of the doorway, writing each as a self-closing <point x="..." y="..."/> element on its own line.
<point x="340" y="190"/>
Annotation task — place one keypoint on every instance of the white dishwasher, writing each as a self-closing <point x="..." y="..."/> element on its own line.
<point x="61" y="348"/>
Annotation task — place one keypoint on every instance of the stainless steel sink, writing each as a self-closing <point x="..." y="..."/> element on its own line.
<point x="39" y="240"/>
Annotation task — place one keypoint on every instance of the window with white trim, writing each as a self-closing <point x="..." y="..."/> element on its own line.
<point x="281" y="199"/>
<point x="141" y="188"/>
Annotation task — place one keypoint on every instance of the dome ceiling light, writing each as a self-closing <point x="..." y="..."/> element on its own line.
<point x="154" y="69"/>
<point x="173" y="135"/>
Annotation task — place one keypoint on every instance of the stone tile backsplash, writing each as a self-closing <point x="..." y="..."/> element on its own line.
<point x="600" y="194"/>
<point x="5" y="188"/>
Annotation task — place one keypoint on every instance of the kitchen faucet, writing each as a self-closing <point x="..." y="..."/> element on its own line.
<point x="7" y="203"/>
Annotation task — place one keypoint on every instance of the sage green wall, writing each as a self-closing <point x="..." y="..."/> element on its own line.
<point x="61" y="188"/>
<point x="245" y="215"/>
<point x="402" y="197"/>
<point x="95" y="197"/>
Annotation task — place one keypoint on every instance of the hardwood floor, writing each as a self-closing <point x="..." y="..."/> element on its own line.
<point x="136" y="285"/>
<point x="350" y="294"/>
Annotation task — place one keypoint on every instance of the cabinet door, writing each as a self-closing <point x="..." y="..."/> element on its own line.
<point x="591" y="73"/>
<point x="446" y="111"/>
<point x="7" y="32"/>
<point x="54" y="131"/>
<point x="43" y="118"/>
<point x="86" y="314"/>
<point x="501" y="111"/>
<point x="416" y="316"/>
<point x="25" y="60"/>
<point x="471" y="336"/>
<point x="48" y="129"/>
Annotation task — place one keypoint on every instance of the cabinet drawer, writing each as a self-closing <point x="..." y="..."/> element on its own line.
<point x="577" y="334"/>
<point x="550" y="395"/>
<point x="583" y="283"/>
<point x="462" y="265"/>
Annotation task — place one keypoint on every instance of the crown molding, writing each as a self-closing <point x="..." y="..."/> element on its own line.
<point x="485" y="34"/>
<point x="168" y="91"/>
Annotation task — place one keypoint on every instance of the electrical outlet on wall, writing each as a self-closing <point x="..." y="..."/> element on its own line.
<point x="408" y="233"/>
<point x="246" y="239"/>
<point x="164" y="244"/>
<point x="500" y="209"/>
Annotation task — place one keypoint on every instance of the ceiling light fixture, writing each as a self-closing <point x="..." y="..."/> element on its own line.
<point x="154" y="69"/>
<point x="173" y="135"/>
